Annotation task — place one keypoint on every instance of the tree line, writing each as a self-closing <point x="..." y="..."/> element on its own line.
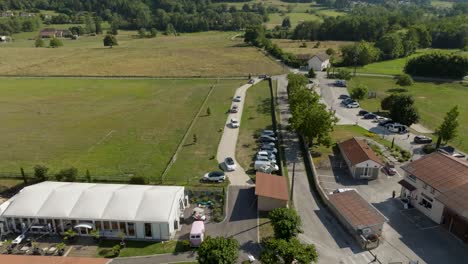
<point x="19" y="24"/>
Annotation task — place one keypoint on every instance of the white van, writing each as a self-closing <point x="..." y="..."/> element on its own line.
<point x="197" y="233"/>
<point x="265" y="166"/>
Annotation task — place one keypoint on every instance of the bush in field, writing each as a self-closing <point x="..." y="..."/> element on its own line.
<point x="404" y="80"/>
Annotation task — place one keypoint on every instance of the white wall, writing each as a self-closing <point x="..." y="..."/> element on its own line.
<point x="140" y="230"/>
<point x="315" y="63"/>
<point x="156" y="230"/>
<point x="165" y="231"/>
<point x="435" y="213"/>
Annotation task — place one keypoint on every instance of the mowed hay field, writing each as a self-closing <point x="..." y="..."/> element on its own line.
<point x="111" y="127"/>
<point x="433" y="101"/>
<point x="197" y="54"/>
<point x="294" y="46"/>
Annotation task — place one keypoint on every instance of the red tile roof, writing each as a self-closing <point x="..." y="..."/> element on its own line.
<point x="17" y="259"/>
<point x="357" y="211"/>
<point x="272" y="186"/>
<point x="357" y="151"/>
<point x="440" y="171"/>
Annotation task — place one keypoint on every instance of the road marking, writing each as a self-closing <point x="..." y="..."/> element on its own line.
<point x="329" y="176"/>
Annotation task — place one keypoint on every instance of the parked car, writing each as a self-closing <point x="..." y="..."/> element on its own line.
<point x="422" y="140"/>
<point x="268" y="148"/>
<point x="385" y="122"/>
<point x="251" y="81"/>
<point x="215" y="176"/>
<point x="267" y="132"/>
<point x="237" y="98"/>
<point x="397" y="128"/>
<point x="263" y="76"/>
<point x="266" y="139"/>
<point x="347" y="101"/>
<point x="268" y="144"/>
<point x="265" y="166"/>
<point x="370" y="116"/>
<point x="362" y="112"/>
<point x="270" y="155"/>
<point x="458" y="155"/>
<point x="265" y="158"/>
<point x="379" y="119"/>
<point x="234" y="109"/>
<point x="390" y="169"/>
<point x="340" y="190"/>
<point x="234" y="123"/>
<point x="343" y="96"/>
<point x="447" y="150"/>
<point x="230" y="164"/>
<point x="352" y="105"/>
<point x="340" y="83"/>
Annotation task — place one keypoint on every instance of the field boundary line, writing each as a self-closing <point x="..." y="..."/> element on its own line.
<point x="187" y="132"/>
<point x="120" y="77"/>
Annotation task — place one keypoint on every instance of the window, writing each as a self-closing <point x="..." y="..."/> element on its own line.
<point x="412" y="177"/>
<point x="122" y="226"/>
<point x="425" y="186"/>
<point x="131" y="229"/>
<point x="106" y="225"/>
<point x="98" y="225"/>
<point x="148" y="232"/>
<point x="115" y="226"/>
<point x="426" y="203"/>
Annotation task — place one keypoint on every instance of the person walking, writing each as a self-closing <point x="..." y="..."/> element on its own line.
<point x="393" y="194"/>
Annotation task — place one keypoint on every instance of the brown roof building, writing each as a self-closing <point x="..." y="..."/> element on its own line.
<point x="437" y="185"/>
<point x="362" y="161"/>
<point x="271" y="190"/>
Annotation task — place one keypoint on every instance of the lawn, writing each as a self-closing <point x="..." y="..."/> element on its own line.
<point x="6" y="184"/>
<point x="256" y="117"/>
<point x="265" y="226"/>
<point x="142" y="248"/>
<point x="112" y="127"/>
<point x="197" y="54"/>
<point x="195" y="159"/>
<point x="433" y="100"/>
<point x="395" y="67"/>
<point x="294" y="46"/>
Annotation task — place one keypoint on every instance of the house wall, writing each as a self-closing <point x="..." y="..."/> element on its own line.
<point x="423" y="195"/>
<point x="315" y="63"/>
<point x="140" y="230"/>
<point x="456" y="224"/>
<point x="373" y="170"/>
<point x="268" y="204"/>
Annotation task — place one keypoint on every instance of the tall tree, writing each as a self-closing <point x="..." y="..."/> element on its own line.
<point x="90" y="26"/>
<point x="358" y="92"/>
<point x="286" y="222"/>
<point x="391" y="46"/>
<point x="448" y="129"/>
<point x="218" y="250"/>
<point x="97" y="23"/>
<point x="110" y="41"/>
<point x="286" y="23"/>
<point x="279" y="251"/>
<point x="402" y="109"/>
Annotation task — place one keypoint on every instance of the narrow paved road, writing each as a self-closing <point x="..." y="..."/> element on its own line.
<point x="228" y="142"/>
<point x="333" y="244"/>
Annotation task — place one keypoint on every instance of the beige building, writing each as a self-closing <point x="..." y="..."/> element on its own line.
<point x="362" y="161"/>
<point x="271" y="191"/>
<point x="319" y="62"/>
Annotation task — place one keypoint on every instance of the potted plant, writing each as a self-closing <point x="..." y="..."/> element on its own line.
<point x="35" y="248"/>
<point x="95" y="233"/>
<point x="121" y="236"/>
<point x="60" y="249"/>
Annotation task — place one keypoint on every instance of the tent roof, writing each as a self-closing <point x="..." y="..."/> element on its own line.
<point x="95" y="201"/>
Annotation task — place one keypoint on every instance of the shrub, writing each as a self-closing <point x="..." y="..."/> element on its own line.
<point x="40" y="172"/>
<point x="68" y="175"/>
<point x="405" y="154"/>
<point x="404" y="80"/>
<point x="438" y="64"/>
<point x="428" y="149"/>
<point x="343" y="74"/>
<point x="55" y="43"/>
<point x="217" y="214"/>
<point x="137" y="180"/>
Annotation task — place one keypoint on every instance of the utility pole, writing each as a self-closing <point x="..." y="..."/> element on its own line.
<point x="292" y="181"/>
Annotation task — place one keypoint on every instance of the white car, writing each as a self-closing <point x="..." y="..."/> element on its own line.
<point x="266" y="154"/>
<point x="237" y="98"/>
<point x="379" y="119"/>
<point x="353" y="105"/>
<point x="230" y="164"/>
<point x="234" y="123"/>
<point x="343" y="190"/>
<point x="265" y="158"/>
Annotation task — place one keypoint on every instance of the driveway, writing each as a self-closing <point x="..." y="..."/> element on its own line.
<point x="330" y="93"/>
<point x="228" y="142"/>
<point x="320" y="228"/>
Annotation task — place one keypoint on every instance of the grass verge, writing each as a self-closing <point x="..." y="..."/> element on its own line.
<point x="142" y="248"/>
<point x="265" y="226"/>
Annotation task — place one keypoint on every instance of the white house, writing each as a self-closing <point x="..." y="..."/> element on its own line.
<point x="143" y="212"/>
<point x="362" y="162"/>
<point x="437" y="185"/>
<point x="319" y="62"/>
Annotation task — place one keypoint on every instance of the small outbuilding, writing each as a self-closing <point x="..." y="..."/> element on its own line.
<point x="272" y="191"/>
<point x="359" y="217"/>
<point x="319" y="62"/>
<point x="361" y="160"/>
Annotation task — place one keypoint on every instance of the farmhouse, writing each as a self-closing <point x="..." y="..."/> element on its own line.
<point x="437" y="185"/>
<point x="362" y="220"/>
<point x="143" y="212"/>
<point x="54" y="33"/>
<point x="271" y="190"/>
<point x="319" y="62"/>
<point x="362" y="162"/>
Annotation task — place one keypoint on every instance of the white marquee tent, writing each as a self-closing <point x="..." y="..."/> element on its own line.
<point x="139" y="211"/>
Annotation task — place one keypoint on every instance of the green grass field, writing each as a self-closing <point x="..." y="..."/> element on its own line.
<point x="198" y="54"/>
<point x="113" y="128"/>
<point x="395" y="67"/>
<point x="255" y="118"/>
<point x="194" y="160"/>
<point x="141" y="248"/>
<point x="433" y="100"/>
